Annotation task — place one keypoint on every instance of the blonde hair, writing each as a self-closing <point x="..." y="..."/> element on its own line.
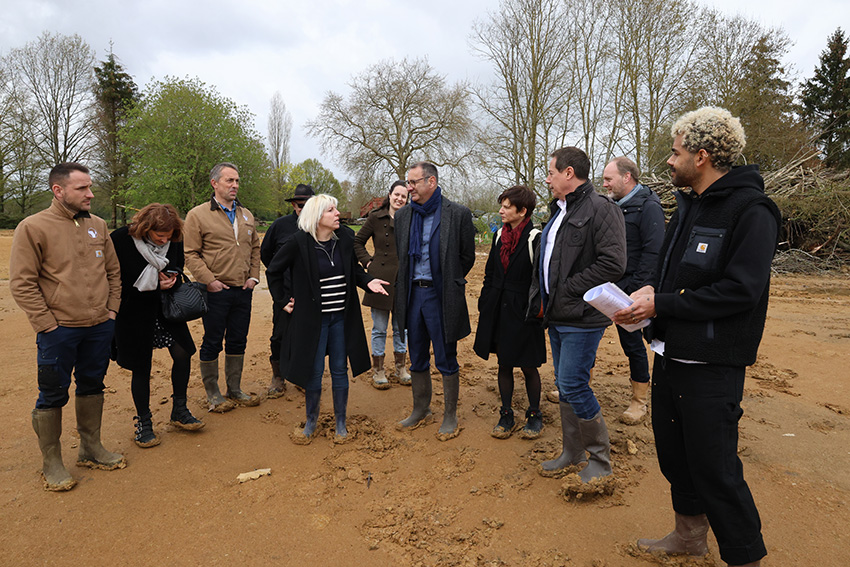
<point x="311" y="214"/>
<point x="714" y="130"/>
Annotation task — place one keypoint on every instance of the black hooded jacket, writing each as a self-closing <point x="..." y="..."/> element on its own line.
<point x="713" y="278"/>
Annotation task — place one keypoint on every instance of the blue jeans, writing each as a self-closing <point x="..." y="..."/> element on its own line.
<point x="573" y="355"/>
<point x="332" y="344"/>
<point x="85" y="350"/>
<point x="425" y="328"/>
<point x="380" y="321"/>
<point x="227" y="320"/>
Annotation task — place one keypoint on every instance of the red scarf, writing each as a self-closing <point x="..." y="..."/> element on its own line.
<point x="510" y="238"/>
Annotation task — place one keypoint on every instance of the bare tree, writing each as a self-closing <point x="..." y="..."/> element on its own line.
<point x="280" y="135"/>
<point x="531" y="95"/>
<point x="396" y="112"/>
<point x="54" y="76"/>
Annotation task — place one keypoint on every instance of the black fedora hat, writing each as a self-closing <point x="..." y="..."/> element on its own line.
<point x="302" y="193"/>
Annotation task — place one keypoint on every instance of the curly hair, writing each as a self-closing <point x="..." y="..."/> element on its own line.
<point x="157" y="217"/>
<point x="714" y="130"/>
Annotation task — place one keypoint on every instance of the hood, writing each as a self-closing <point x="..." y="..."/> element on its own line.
<point x="739" y="178"/>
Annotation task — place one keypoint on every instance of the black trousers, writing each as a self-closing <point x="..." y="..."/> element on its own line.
<point x="695" y="413"/>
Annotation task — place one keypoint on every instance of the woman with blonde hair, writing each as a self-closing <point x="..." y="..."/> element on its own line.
<point x="150" y="251"/>
<point x="325" y="310"/>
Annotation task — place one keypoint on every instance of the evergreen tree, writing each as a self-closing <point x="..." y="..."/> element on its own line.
<point x="116" y="94"/>
<point x="825" y="101"/>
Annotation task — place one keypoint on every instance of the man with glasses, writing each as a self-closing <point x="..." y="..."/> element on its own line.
<point x="435" y="240"/>
<point x="278" y="233"/>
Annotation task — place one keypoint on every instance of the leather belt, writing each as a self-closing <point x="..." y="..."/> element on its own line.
<point x="423" y="283"/>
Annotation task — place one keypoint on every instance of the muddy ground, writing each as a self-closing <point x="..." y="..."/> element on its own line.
<point x="390" y="498"/>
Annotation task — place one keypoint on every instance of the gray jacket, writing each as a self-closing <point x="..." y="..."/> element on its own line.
<point x="457" y="255"/>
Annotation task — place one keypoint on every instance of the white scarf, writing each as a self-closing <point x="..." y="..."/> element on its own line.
<point x="148" y="280"/>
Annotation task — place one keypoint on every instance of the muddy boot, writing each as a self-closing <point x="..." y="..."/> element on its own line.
<point x="637" y="407"/>
<point x="421" y="414"/>
<point x="209" y="376"/>
<point x="688" y="537"/>
<point x="506" y="424"/>
<point x="278" y="387"/>
<point x="401" y="368"/>
<point x="533" y="424"/>
<point x="340" y="399"/>
<point x="572" y="453"/>
<point x="182" y="418"/>
<point x="449" y="429"/>
<point x="594" y="437"/>
<point x="92" y="453"/>
<point x="47" y="424"/>
<point x="145" y="437"/>
<point x="233" y="379"/>
<point x="311" y="403"/>
<point x="379" y="376"/>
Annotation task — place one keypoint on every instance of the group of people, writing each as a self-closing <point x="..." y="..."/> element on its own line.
<point x="703" y="284"/>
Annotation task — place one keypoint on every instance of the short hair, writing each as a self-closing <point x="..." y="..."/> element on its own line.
<point x="625" y="165"/>
<point x="428" y="168"/>
<point x="60" y="172"/>
<point x="157" y="217"/>
<point x="573" y="157"/>
<point x="385" y="204"/>
<point x="714" y="130"/>
<point x="215" y="172"/>
<point x="520" y="197"/>
<point x="314" y="208"/>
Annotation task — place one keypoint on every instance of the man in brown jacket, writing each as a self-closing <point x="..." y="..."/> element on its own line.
<point x="223" y="252"/>
<point x="65" y="276"/>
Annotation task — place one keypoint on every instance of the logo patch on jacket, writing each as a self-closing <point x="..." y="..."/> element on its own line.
<point x="98" y="253"/>
<point x="702" y="247"/>
<point x="92" y="233"/>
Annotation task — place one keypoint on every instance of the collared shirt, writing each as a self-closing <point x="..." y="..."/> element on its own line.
<point x="550" y="240"/>
<point x="631" y="194"/>
<point x="422" y="268"/>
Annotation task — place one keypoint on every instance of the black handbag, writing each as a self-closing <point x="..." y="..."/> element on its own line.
<point x="186" y="301"/>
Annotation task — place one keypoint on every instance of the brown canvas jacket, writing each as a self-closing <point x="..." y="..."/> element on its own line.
<point x="64" y="271"/>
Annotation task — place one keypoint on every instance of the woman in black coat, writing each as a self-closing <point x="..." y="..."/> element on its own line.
<point x="150" y="251"/>
<point x="325" y="309"/>
<point x="502" y="328"/>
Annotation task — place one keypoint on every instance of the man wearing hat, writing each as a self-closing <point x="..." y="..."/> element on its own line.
<point x="278" y="233"/>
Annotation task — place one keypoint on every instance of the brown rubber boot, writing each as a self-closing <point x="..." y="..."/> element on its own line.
<point x="233" y="378"/>
<point x="47" y="424"/>
<point x="637" y="407"/>
<point x="209" y="376"/>
<point x="278" y="386"/>
<point x="401" y="368"/>
<point x="379" y="376"/>
<point x="688" y="538"/>
<point x="92" y="453"/>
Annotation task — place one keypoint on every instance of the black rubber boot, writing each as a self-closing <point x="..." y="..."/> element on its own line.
<point x="533" y="424"/>
<point x="420" y="383"/>
<point x="311" y="403"/>
<point x="145" y="437"/>
<point x="572" y="453"/>
<point x="278" y="387"/>
<point x="506" y="424"/>
<point x="181" y="416"/>
<point x="47" y="424"/>
<point x="340" y="399"/>
<point x="92" y="453"/>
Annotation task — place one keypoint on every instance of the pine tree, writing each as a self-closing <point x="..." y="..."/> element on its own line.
<point x="825" y="101"/>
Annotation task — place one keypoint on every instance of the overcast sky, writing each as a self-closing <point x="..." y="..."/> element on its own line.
<point x="250" y="49"/>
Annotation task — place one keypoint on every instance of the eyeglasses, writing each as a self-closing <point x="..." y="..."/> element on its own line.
<point x="297" y="205"/>
<point x="411" y="182"/>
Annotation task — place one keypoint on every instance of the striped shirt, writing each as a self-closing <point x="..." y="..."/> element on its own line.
<point x="331" y="276"/>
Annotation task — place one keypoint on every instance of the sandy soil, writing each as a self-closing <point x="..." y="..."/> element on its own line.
<point x="389" y="498"/>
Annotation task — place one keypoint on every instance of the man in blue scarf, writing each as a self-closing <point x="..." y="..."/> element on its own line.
<point x="435" y="240"/>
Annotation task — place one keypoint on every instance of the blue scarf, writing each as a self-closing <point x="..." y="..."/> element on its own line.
<point x="417" y="222"/>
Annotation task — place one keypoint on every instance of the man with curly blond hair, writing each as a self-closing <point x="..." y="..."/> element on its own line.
<point x="709" y="303"/>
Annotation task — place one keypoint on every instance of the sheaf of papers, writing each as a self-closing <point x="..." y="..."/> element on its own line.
<point x="608" y="298"/>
